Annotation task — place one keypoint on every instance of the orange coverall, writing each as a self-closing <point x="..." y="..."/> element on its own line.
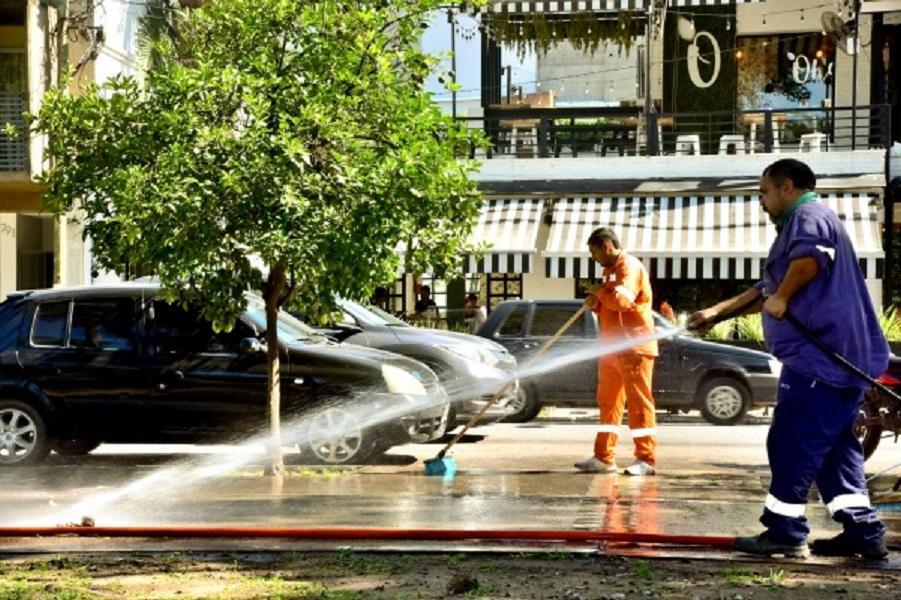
<point x="624" y="379"/>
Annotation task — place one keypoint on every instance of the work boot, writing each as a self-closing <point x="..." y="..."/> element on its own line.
<point x="762" y="545"/>
<point x="842" y="545"/>
<point x="639" y="467"/>
<point x="593" y="465"/>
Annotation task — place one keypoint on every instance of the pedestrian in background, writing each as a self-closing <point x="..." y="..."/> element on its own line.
<point x="812" y="268"/>
<point x="622" y="302"/>
<point x="473" y="314"/>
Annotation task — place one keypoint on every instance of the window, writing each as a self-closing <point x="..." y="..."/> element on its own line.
<point x="180" y="331"/>
<point x="50" y="322"/>
<point x="785" y="71"/>
<point x="503" y="286"/>
<point x="397" y="297"/>
<point x="547" y="320"/>
<point x="513" y="324"/>
<point x="104" y="324"/>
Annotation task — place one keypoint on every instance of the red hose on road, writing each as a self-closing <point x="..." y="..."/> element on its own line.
<point x="373" y="533"/>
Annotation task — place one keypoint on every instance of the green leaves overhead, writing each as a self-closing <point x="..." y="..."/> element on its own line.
<point x="271" y="132"/>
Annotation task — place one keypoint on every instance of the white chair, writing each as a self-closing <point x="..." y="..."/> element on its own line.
<point x="752" y="143"/>
<point x="688" y="144"/>
<point x="735" y="141"/>
<point x="813" y="141"/>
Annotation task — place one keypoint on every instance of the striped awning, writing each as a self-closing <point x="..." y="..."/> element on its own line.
<point x="509" y="227"/>
<point x="571" y="6"/>
<point x="696" y="237"/>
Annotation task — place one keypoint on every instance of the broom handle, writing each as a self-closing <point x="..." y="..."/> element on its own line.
<point x="544" y="347"/>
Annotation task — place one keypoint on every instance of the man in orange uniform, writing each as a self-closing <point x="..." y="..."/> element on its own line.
<point x="623" y="305"/>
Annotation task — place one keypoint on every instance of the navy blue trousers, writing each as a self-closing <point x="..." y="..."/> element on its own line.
<point x="812" y="439"/>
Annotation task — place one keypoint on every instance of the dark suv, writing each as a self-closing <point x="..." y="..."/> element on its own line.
<point x="722" y="381"/>
<point x="88" y="365"/>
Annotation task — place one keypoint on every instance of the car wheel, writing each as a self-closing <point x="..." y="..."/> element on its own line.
<point x="525" y="406"/>
<point x="723" y="400"/>
<point x="23" y="434"/>
<point x="334" y="437"/>
<point x="868" y="427"/>
<point x="73" y="447"/>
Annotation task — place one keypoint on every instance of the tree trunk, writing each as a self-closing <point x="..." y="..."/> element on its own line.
<point x="274" y="287"/>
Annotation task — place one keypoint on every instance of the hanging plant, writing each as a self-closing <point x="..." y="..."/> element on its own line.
<point x="585" y="31"/>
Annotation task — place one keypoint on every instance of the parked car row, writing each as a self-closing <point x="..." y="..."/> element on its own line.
<point x="87" y="365"/>
<point x="722" y="381"/>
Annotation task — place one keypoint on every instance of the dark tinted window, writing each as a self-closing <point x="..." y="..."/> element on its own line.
<point x="10" y="319"/>
<point x="179" y="331"/>
<point x="104" y="324"/>
<point x="547" y="320"/>
<point x="513" y="324"/>
<point x="50" y="324"/>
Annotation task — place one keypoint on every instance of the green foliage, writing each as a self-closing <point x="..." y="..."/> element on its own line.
<point x="537" y="32"/>
<point x="272" y="132"/>
<point x="721" y="331"/>
<point x="750" y="327"/>
<point x="890" y="321"/>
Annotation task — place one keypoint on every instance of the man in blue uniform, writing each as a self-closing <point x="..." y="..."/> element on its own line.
<point x="812" y="269"/>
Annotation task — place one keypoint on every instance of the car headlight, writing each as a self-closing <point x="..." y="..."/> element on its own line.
<point x="479" y="355"/>
<point x="775" y="366"/>
<point x="401" y="381"/>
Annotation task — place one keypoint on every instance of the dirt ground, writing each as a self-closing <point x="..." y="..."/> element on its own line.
<point x="352" y="575"/>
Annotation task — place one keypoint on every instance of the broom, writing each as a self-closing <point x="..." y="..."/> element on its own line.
<point x="445" y="465"/>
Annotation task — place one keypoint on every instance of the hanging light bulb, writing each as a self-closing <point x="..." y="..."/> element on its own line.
<point x="586" y="87"/>
<point x="802" y="14"/>
<point x="520" y="30"/>
<point x="589" y="29"/>
<point x="538" y="84"/>
<point x="728" y="24"/>
<point x="764" y="18"/>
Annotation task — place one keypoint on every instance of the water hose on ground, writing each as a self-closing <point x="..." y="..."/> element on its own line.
<point x="373" y="534"/>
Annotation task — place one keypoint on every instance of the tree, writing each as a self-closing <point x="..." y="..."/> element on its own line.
<point x="294" y="133"/>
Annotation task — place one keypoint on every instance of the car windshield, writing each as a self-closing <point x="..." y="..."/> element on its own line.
<point x="289" y="328"/>
<point x="371" y="315"/>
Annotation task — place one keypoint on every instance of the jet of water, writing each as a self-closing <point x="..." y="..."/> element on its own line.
<point x="365" y="410"/>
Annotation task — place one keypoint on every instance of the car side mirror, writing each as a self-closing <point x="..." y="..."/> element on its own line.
<point x="251" y="346"/>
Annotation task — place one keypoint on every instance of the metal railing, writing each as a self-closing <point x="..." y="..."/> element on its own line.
<point x="13" y="148"/>
<point x="621" y="131"/>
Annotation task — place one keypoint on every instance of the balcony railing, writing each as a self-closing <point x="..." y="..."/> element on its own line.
<point x="13" y="149"/>
<point x="516" y="132"/>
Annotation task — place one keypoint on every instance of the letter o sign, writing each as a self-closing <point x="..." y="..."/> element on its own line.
<point x="694" y="55"/>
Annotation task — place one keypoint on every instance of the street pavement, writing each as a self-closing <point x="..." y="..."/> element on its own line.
<point x="712" y="481"/>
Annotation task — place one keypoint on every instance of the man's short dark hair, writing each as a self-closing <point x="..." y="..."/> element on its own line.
<point x="425" y="288"/>
<point x="601" y="235"/>
<point x="788" y="168"/>
<point x="472" y="297"/>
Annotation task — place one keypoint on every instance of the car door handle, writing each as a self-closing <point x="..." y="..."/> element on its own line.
<point x="527" y="346"/>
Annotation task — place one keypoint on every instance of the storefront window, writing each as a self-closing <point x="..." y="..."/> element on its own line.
<point x="788" y="71"/>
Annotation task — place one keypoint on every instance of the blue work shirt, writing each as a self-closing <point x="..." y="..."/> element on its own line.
<point x="835" y="305"/>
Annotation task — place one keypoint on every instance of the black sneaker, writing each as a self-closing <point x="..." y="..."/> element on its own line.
<point x="840" y="545"/>
<point x="762" y="545"/>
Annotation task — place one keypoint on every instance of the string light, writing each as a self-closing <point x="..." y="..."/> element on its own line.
<point x="738" y="54"/>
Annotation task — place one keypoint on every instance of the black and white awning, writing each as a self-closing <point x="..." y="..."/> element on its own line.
<point x="695" y="237"/>
<point x="509" y="229"/>
<point x="604" y="6"/>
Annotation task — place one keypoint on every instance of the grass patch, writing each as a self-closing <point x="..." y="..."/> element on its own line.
<point x="642" y="570"/>
<point x="735" y="576"/>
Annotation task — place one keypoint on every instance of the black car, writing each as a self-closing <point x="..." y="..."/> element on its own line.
<point x="722" y="381"/>
<point x="97" y="364"/>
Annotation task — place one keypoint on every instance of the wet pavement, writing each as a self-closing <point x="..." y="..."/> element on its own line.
<point x="712" y="482"/>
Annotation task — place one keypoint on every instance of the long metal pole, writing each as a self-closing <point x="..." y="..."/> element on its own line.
<point x="451" y="18"/>
<point x="854" y="75"/>
<point x="647" y="80"/>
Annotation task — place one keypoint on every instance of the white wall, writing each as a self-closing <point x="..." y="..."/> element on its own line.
<point x="120" y="20"/>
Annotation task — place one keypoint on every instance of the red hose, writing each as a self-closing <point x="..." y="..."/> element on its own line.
<point x="373" y="533"/>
